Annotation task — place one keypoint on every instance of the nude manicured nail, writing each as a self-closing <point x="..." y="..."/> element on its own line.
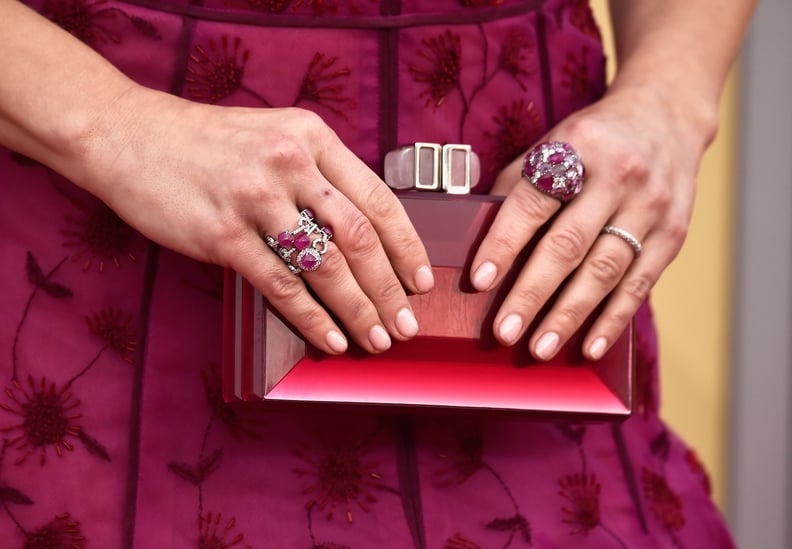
<point x="424" y="279"/>
<point x="406" y="323"/>
<point x="510" y="328"/>
<point x="597" y="348"/>
<point x="484" y="276"/>
<point x="547" y="345"/>
<point x="336" y="342"/>
<point x="379" y="338"/>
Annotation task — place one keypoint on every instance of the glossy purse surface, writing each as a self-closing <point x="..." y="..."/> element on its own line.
<point x="454" y="362"/>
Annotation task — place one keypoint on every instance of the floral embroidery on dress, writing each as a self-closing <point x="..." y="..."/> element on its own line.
<point x="339" y="476"/>
<point x="439" y="72"/>
<point x="582" y="492"/>
<point x="237" y="424"/>
<point x="664" y="502"/>
<point x="458" y="541"/>
<point x="576" y="78"/>
<point x="513" y="56"/>
<point x="517" y="127"/>
<point x="114" y="327"/>
<point x="214" y="533"/>
<point x="91" y="22"/>
<point x="216" y="71"/>
<point x="324" y="85"/>
<point x="480" y="3"/>
<point x="582" y="18"/>
<point x="459" y="465"/>
<point x="99" y="236"/>
<point x="693" y="461"/>
<point x="48" y="419"/>
<point x="62" y="532"/>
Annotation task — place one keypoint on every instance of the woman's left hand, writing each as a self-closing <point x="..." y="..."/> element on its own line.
<point x="641" y="159"/>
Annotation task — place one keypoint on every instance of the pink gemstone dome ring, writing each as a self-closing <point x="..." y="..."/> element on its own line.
<point x="554" y="168"/>
<point x="302" y="248"/>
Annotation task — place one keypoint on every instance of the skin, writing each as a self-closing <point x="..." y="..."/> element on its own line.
<point x="642" y="145"/>
<point x="114" y="138"/>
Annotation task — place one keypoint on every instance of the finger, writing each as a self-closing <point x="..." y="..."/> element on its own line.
<point x="385" y="214"/>
<point x="604" y="266"/>
<point x="522" y="213"/>
<point x="286" y="293"/>
<point x="364" y="262"/>
<point x="659" y="249"/>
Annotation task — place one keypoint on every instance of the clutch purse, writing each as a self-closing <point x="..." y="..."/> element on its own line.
<point x="453" y="362"/>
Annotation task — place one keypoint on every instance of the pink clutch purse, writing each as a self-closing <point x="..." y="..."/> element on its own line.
<point x="454" y="362"/>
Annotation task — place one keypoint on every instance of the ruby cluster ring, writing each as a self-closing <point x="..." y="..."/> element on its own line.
<point x="554" y="168"/>
<point x="302" y="248"/>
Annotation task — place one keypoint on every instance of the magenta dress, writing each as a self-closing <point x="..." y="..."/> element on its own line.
<point x="114" y="433"/>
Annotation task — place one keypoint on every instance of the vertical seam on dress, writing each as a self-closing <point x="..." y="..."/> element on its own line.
<point x="409" y="479"/>
<point x="629" y="473"/>
<point x="133" y="461"/>
<point x="130" y="502"/>
<point x="389" y="85"/>
<point x="544" y="67"/>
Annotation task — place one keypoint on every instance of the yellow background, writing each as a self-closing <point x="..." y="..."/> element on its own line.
<point x="692" y="301"/>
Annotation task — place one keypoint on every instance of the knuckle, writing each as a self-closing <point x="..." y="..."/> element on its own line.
<point x="638" y="286"/>
<point x="619" y="318"/>
<point x="631" y="165"/>
<point x="387" y="291"/>
<point x="570" y="316"/>
<point x="530" y="298"/>
<point x="605" y="268"/>
<point x="282" y="289"/>
<point x="382" y="204"/>
<point x="361" y="238"/>
<point x="534" y="205"/>
<point x="567" y="245"/>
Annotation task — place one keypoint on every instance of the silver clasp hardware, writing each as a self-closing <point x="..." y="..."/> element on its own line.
<point x="449" y="171"/>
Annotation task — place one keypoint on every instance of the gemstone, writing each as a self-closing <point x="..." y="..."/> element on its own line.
<point x="309" y="260"/>
<point x="545" y="183"/>
<point x="302" y="241"/>
<point x="556" y="158"/>
<point x="285" y="239"/>
<point x="328" y="231"/>
<point x="309" y="212"/>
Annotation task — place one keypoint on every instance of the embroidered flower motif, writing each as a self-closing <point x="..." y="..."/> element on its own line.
<point x="582" y="18"/>
<point x="517" y="126"/>
<point x="215" y="72"/>
<point x="82" y="19"/>
<point x="512" y="56"/>
<point x="582" y="492"/>
<point x="99" y="236"/>
<point x="693" y="461"/>
<point x="575" y="76"/>
<point x="339" y="476"/>
<point x="214" y="535"/>
<point x="60" y="533"/>
<point x="114" y="328"/>
<point x="323" y="84"/>
<point x="48" y="419"/>
<point x="464" y="462"/>
<point x="236" y="423"/>
<point x="664" y="502"/>
<point x="440" y="71"/>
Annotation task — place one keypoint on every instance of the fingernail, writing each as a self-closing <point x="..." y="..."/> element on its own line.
<point x="424" y="279"/>
<point x="336" y="342"/>
<point x="597" y="348"/>
<point x="406" y="323"/>
<point x="379" y="338"/>
<point x="510" y="328"/>
<point x="547" y="345"/>
<point x="484" y="276"/>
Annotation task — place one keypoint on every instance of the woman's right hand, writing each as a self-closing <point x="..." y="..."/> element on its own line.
<point x="210" y="181"/>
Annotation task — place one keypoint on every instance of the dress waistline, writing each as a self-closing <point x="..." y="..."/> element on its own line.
<point x="466" y="17"/>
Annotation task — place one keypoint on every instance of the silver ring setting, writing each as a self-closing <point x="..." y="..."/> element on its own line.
<point x="302" y="248"/>
<point x="556" y="169"/>
<point x="626" y="236"/>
